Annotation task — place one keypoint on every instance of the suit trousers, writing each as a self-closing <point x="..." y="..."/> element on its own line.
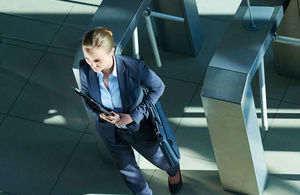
<point x="145" y="142"/>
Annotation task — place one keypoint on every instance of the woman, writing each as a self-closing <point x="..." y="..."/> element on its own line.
<point x="115" y="82"/>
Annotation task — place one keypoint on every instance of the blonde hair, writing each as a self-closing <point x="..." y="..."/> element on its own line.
<point x="98" y="37"/>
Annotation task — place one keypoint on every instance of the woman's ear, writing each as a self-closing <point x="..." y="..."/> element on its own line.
<point x="112" y="51"/>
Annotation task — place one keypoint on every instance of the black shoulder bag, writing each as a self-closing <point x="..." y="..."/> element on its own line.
<point x="162" y="130"/>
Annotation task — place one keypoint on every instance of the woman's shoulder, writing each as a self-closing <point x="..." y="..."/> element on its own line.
<point x="133" y="65"/>
<point x="128" y="59"/>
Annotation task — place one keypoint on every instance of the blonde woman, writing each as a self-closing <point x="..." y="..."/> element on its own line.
<point x="115" y="82"/>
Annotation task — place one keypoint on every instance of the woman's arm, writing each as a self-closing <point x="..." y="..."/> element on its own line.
<point x="156" y="88"/>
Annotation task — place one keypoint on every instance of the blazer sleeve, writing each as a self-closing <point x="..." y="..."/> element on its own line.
<point x="156" y="88"/>
<point x="84" y="88"/>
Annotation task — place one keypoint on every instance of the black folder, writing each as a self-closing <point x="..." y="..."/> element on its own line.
<point x="94" y="105"/>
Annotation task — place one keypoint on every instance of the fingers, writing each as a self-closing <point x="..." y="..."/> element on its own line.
<point x="124" y="120"/>
<point x="103" y="116"/>
<point x="120" y="119"/>
<point x="112" y="119"/>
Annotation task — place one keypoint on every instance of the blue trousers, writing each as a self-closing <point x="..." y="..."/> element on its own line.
<point x="145" y="142"/>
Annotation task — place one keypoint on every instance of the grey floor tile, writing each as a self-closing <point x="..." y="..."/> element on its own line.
<point x="49" y="90"/>
<point x="278" y="186"/>
<point x="24" y="44"/>
<point x="176" y="97"/>
<point x="66" y="52"/>
<point x="28" y="30"/>
<point x="33" y="155"/>
<point x="16" y="65"/>
<point x="192" y="134"/>
<point x="69" y="38"/>
<point x="287" y="116"/>
<point x="183" y="67"/>
<point x="47" y="9"/>
<point x="275" y="84"/>
<point x="193" y="138"/>
<point x="292" y="94"/>
<point x="281" y="144"/>
<point x="91" y="127"/>
<point x="188" y="163"/>
<point x="3" y="192"/>
<point x="81" y="14"/>
<point x="86" y="173"/>
<point x="195" y="106"/>
<point x="1" y="118"/>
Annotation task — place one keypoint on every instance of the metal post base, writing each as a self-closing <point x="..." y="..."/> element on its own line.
<point x="229" y="104"/>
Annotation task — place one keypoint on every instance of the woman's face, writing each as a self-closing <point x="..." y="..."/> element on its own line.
<point x="98" y="58"/>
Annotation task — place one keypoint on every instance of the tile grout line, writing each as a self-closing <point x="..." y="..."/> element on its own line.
<point x="43" y="20"/>
<point x="21" y="46"/>
<point x="288" y="102"/>
<point x="282" y="177"/>
<point x="81" y="3"/>
<point x="6" y="192"/>
<point x="24" y="85"/>
<point x="199" y="158"/>
<point x="86" y="128"/>
<point x="37" y="50"/>
<point x="50" y="125"/>
<point x="190" y="82"/>
<point x="60" y="24"/>
<point x="270" y="98"/>
<point x="10" y="115"/>
<point x="151" y="177"/>
<point x="67" y="162"/>
<point x="189" y="102"/>
<point x="40" y="44"/>
<point x="35" y="67"/>
<point x="1" y="122"/>
<point x="82" y="133"/>
<point x="181" y="121"/>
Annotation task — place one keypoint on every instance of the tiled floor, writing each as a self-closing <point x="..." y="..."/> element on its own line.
<point x="47" y="144"/>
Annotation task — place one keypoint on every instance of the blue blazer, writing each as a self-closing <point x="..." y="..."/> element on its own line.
<point x="132" y="75"/>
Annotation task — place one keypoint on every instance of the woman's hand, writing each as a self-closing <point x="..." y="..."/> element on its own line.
<point x="125" y="119"/>
<point x="120" y="119"/>
<point x="112" y="119"/>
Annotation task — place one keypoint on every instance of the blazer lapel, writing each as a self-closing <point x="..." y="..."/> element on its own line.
<point x="95" y="86"/>
<point x="123" y="82"/>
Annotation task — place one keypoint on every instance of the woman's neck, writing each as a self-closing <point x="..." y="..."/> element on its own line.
<point x="109" y="69"/>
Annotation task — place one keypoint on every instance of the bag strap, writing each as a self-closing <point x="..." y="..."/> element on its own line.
<point x="150" y="106"/>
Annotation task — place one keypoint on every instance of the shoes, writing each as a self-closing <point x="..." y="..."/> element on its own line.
<point x="174" y="188"/>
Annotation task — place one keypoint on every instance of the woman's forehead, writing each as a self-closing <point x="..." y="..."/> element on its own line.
<point x="95" y="52"/>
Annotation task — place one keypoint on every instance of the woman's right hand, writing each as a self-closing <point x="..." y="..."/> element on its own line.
<point x="112" y="119"/>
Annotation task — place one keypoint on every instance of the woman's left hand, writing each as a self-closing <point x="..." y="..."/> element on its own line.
<point x="125" y="119"/>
